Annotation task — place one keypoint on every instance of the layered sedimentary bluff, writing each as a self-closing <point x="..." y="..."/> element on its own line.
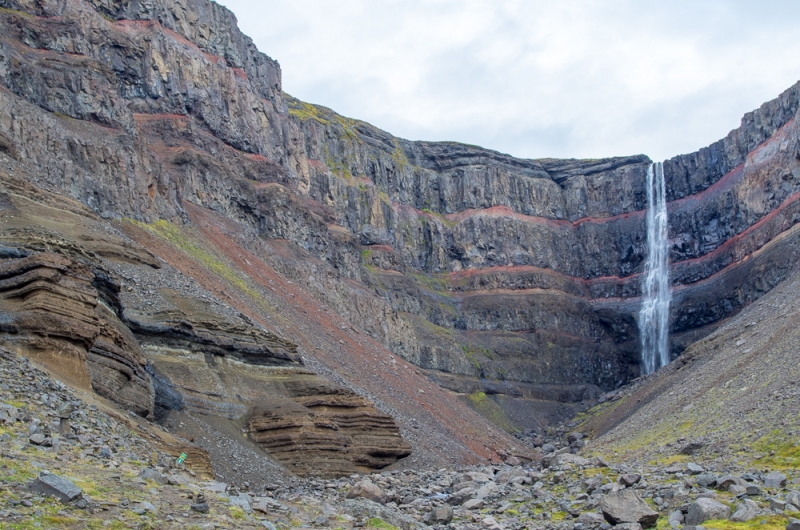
<point x="67" y="300"/>
<point x="515" y="281"/>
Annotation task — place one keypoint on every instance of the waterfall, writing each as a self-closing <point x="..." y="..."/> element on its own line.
<point x="656" y="296"/>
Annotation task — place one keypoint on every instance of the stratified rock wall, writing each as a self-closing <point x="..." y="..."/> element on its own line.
<point x="49" y="305"/>
<point x="476" y="263"/>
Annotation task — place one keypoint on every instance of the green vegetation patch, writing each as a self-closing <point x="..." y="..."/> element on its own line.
<point x="775" y="522"/>
<point x="781" y="451"/>
<point x="175" y="236"/>
<point x="380" y="524"/>
<point x="486" y="407"/>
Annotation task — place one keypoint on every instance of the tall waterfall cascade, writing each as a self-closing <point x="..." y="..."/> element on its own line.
<point x="656" y="295"/>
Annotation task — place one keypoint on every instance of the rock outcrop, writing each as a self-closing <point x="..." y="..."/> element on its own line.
<point x="326" y="431"/>
<point x="50" y="306"/>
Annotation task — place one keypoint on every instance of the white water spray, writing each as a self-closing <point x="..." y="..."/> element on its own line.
<point x="656" y="296"/>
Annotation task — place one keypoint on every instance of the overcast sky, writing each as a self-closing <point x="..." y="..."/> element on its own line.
<point x="573" y="78"/>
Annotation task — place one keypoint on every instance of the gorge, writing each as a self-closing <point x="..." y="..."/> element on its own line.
<point x="345" y="297"/>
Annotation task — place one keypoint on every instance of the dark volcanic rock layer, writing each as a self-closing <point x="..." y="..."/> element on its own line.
<point x="479" y="264"/>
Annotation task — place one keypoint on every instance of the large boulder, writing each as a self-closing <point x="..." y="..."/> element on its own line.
<point x="367" y="490"/>
<point x="55" y="486"/>
<point x="627" y="507"/>
<point x="775" y="480"/>
<point x="746" y="511"/>
<point x="704" y="510"/>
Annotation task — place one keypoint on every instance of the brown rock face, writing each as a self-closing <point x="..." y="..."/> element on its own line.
<point x="50" y="305"/>
<point x="327" y="431"/>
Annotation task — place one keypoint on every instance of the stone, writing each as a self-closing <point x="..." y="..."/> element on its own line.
<point x="440" y="515"/>
<point x="675" y="517"/>
<point x="753" y="490"/>
<point x="473" y="504"/>
<point x="147" y="507"/>
<point x="574" y="437"/>
<point x="775" y="480"/>
<point x="200" y="507"/>
<point x="487" y="489"/>
<point x="706" y="480"/>
<point x="151" y="474"/>
<point x="777" y="504"/>
<point x="628" y="526"/>
<point x="746" y="511"/>
<point x="629" y="479"/>
<point x="793" y="498"/>
<point x="216" y="487"/>
<point x="694" y="469"/>
<point x="367" y="490"/>
<point x="591" y="519"/>
<point x="703" y="510"/>
<point x="37" y="438"/>
<point x="726" y="481"/>
<point x="627" y="507"/>
<point x="490" y="523"/>
<point x="794" y="524"/>
<point x="548" y="448"/>
<point x="599" y="461"/>
<point x="736" y="490"/>
<point x="53" y="485"/>
<point x="243" y="501"/>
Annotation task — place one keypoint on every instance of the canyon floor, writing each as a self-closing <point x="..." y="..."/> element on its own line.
<point x="715" y="445"/>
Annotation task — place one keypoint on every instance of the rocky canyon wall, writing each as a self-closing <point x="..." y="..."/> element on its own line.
<point x="495" y="273"/>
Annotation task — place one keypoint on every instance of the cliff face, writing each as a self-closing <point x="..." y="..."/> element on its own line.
<point x="495" y="274"/>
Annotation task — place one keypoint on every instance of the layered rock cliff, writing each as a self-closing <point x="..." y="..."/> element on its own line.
<point x="518" y="278"/>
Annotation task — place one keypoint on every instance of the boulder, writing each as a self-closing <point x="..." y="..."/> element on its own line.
<point x="726" y="481"/>
<point x="704" y="510"/>
<point x="591" y="519"/>
<point x="775" y="480"/>
<point x="629" y="479"/>
<point x="694" y="469"/>
<point x="676" y="517"/>
<point x="706" y="480"/>
<point x="627" y="507"/>
<point x="55" y="486"/>
<point x="243" y="501"/>
<point x="473" y="504"/>
<point x="794" y="524"/>
<point x="440" y="515"/>
<point x="753" y="490"/>
<point x="746" y="511"/>
<point x="367" y="490"/>
<point x="793" y="498"/>
<point x="151" y="474"/>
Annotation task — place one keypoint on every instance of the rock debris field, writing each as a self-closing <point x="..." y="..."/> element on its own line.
<point x="66" y="464"/>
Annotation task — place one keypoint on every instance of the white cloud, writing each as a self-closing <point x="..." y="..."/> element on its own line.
<point x="578" y="78"/>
